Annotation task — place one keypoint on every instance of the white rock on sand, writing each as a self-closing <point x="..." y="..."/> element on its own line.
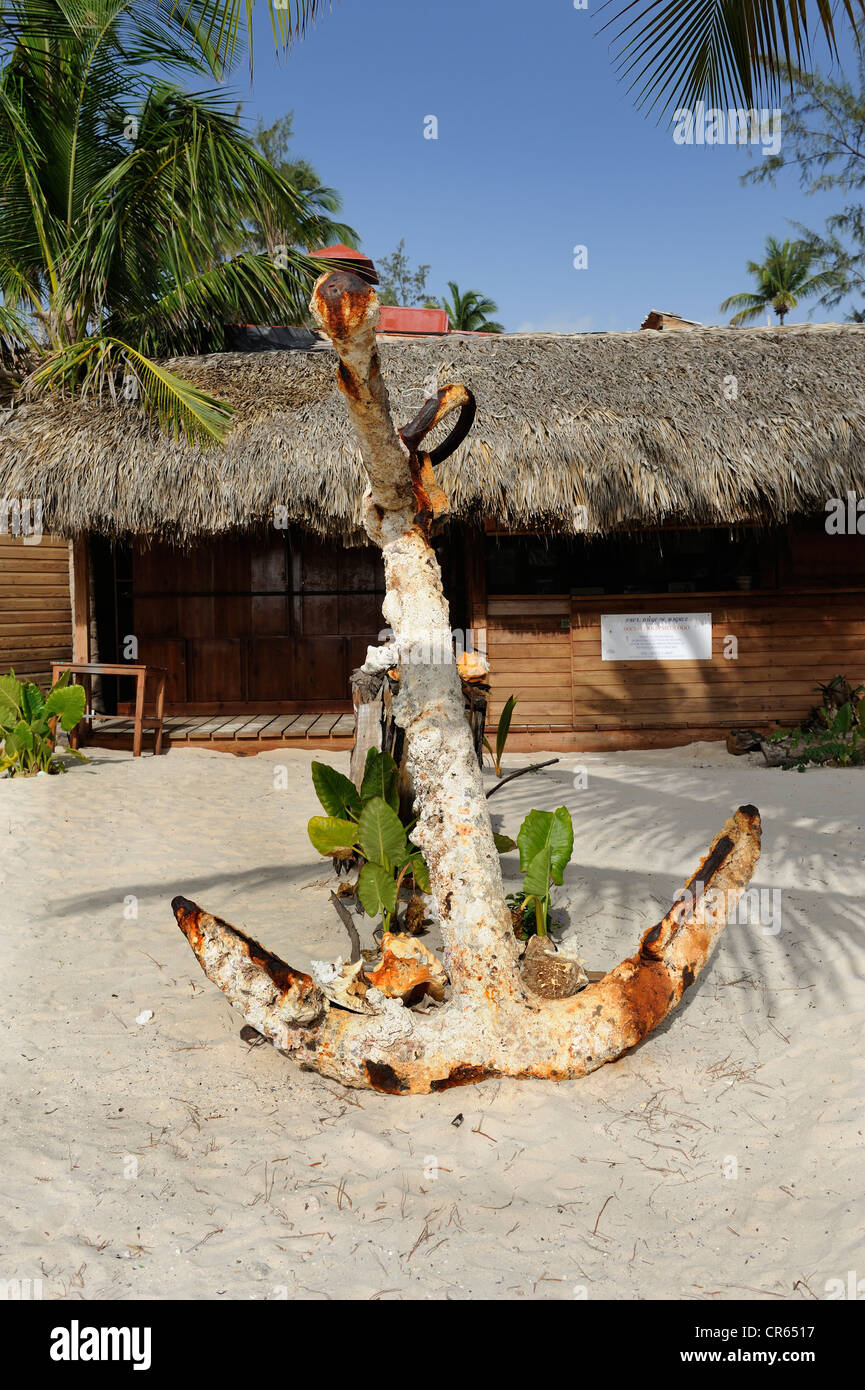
<point x="721" y="1159"/>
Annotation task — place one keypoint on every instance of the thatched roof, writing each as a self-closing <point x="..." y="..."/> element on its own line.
<point x="710" y="425"/>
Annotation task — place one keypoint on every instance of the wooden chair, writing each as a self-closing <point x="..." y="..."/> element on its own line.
<point x="88" y="669"/>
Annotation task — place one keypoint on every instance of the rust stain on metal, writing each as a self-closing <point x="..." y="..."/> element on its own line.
<point x="649" y="940"/>
<point x="464" y="1075"/>
<point x="343" y="300"/>
<point x="382" y="1077"/>
<point x="431" y="501"/>
<point x="657" y="938"/>
<point x="641" y="1002"/>
<point x="432" y="412"/>
<point x="190" y="918"/>
<point x="711" y="864"/>
<point x="348" y="382"/>
<point x="543" y="1073"/>
<point x="408" y="969"/>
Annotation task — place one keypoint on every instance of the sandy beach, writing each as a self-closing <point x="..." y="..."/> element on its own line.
<point x="721" y="1159"/>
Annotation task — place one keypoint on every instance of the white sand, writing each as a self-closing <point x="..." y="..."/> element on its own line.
<point x="166" y="1159"/>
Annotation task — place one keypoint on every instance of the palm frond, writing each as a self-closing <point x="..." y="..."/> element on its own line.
<point x="248" y="289"/>
<point x="15" y="332"/>
<point x="220" y="26"/>
<point x="102" y="365"/>
<point x="677" y="52"/>
<point x="162" y="213"/>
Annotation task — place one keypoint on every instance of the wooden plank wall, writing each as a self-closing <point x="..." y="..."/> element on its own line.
<point x="35" y="612"/>
<point x="547" y="650"/>
<point x="530" y="654"/>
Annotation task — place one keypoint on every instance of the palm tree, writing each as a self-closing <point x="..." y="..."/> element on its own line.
<point x="469" y="311"/>
<point x="117" y="190"/>
<point x="98" y="240"/>
<point x="783" y="278"/>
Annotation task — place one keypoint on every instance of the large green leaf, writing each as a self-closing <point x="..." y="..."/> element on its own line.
<point x="547" y="828"/>
<point x="537" y="880"/>
<point x="32" y="701"/>
<point x="504" y="728"/>
<point x="336" y="792"/>
<point x="20" y="740"/>
<point x="380" y="778"/>
<point x="380" y="833"/>
<point x="329" y="834"/>
<point x="843" y="720"/>
<point x="11" y="699"/>
<point x="376" y="888"/>
<point x="67" y="701"/>
<point x="419" y="871"/>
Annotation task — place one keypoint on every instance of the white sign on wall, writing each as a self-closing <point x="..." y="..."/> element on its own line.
<point x="656" y="636"/>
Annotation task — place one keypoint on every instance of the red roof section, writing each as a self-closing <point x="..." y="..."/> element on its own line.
<point x="341" y="252"/>
<point x="402" y="319"/>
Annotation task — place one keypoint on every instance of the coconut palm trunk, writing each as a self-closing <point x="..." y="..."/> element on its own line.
<point x="493" y="1024"/>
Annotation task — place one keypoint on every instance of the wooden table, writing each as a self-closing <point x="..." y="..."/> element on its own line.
<point x="88" y="669"/>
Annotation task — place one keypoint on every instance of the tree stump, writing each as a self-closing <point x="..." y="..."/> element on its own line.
<point x="373" y="695"/>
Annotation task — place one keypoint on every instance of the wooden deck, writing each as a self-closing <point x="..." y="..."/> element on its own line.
<point x="233" y="733"/>
<point x="243" y="734"/>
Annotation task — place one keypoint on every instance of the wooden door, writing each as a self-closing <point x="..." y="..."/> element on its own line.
<point x="264" y="620"/>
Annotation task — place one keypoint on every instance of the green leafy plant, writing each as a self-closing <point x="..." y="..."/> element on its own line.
<point x="832" y="748"/>
<point x="367" y="824"/>
<point x="502" y="731"/>
<point x="837" y="693"/>
<point x="546" y="843"/>
<point x="833" y="735"/>
<point x="28" y="724"/>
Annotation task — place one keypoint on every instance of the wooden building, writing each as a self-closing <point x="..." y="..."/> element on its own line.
<point x="661" y="320"/>
<point x="35" y="608"/>
<point x="657" y="489"/>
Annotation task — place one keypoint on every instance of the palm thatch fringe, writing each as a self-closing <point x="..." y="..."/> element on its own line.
<point x="595" y="432"/>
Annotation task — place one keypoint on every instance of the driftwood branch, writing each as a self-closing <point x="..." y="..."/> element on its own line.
<point x="353" y="935"/>
<point x="521" y="772"/>
<point x="493" y="1024"/>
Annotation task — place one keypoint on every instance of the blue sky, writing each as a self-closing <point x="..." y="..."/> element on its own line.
<point x="540" y="149"/>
